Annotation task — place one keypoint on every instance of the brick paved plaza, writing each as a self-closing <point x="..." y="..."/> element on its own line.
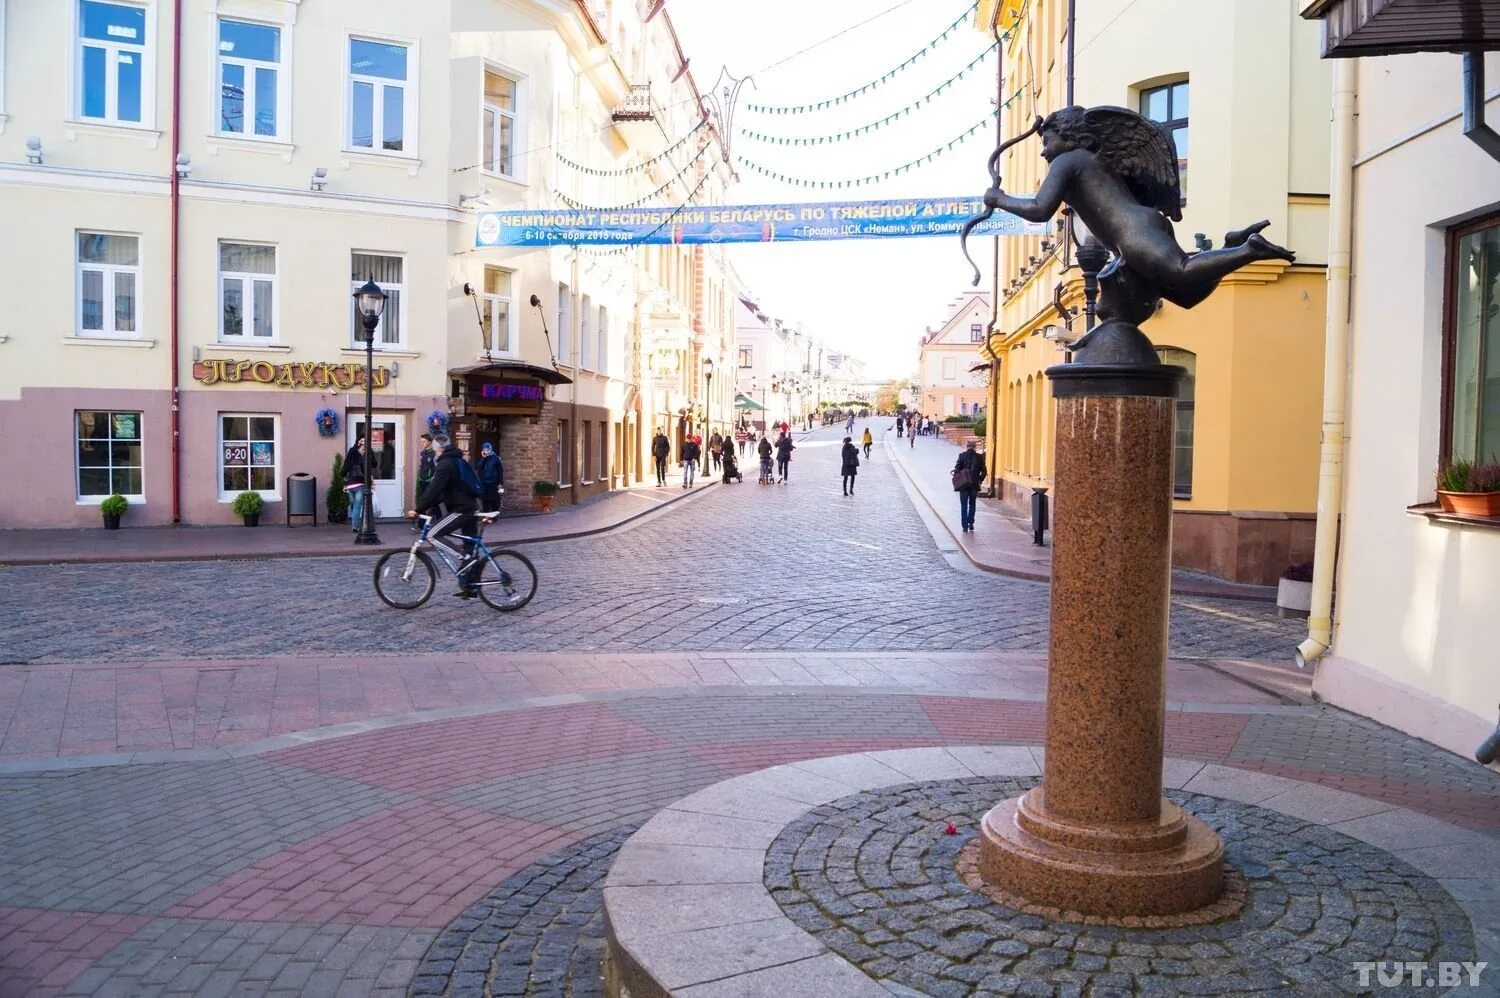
<point x="252" y="778"/>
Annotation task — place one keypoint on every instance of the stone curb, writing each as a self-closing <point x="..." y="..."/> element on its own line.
<point x="687" y="914"/>
<point x="352" y="551"/>
<point x="332" y="731"/>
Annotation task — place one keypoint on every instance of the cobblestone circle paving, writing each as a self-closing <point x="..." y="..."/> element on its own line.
<point x="873" y="877"/>
<point x="794" y="567"/>
<point x="541" y="933"/>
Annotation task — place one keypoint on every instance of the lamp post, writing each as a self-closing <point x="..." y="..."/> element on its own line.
<point x="708" y="388"/>
<point x="370" y="301"/>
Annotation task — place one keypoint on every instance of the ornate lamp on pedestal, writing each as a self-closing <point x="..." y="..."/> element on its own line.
<point x="370" y="301"/>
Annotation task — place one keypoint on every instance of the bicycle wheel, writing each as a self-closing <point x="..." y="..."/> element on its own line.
<point x="405" y="579"/>
<point x="507" y="581"/>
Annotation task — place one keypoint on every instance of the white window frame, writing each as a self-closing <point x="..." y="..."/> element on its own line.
<point x="409" y="103"/>
<point x="283" y="84"/>
<point x="564" y="325"/>
<point x="950" y="369"/>
<point x="517" y="172"/>
<point x="586" y="471"/>
<point x="564" y="444"/>
<point x="2" y="65"/>
<point x="603" y="340"/>
<point x="387" y="287"/>
<point x="272" y="494"/>
<point x="489" y="300"/>
<point x="93" y="499"/>
<point x="247" y="323"/>
<point x="585" y="334"/>
<point x="747" y="352"/>
<point x="146" y="52"/>
<point x="109" y="271"/>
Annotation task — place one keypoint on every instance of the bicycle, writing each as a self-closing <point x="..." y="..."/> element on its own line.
<point x="406" y="579"/>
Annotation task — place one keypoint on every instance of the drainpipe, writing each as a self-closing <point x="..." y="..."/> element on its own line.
<point x="1335" y="366"/>
<point x="174" y="206"/>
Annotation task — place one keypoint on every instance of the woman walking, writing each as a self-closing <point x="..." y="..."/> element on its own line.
<point x="850" y="464"/>
<point x="765" y="459"/>
<point x="784" y="448"/>
<point x="867" y="442"/>
<point x="715" y="449"/>
<point x="968" y="473"/>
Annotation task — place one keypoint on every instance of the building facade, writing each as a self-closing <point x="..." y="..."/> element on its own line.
<point x="1245" y="82"/>
<point x="953" y="375"/>
<point x="1407" y="616"/>
<point x="204" y="195"/>
<point x="779" y="367"/>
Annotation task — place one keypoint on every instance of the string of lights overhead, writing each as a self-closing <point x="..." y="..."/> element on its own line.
<point x="638" y="167"/>
<point x="931" y="95"/>
<point x="640" y="201"/>
<point x="866" y="88"/>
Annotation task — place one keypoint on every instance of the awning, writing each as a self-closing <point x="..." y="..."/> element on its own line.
<point x="499" y="368"/>
<point x="1353" y="28"/>
<point x="743" y="401"/>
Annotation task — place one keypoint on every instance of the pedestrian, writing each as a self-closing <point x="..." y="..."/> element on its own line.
<point x="765" y="459"/>
<point x="354" y="481"/>
<point x="691" y="452"/>
<point x="742" y="437"/>
<point x="968" y="473"/>
<point x="491" y="476"/>
<point x="912" y="426"/>
<point x="716" y="448"/>
<point x="900" y="426"/>
<point x="849" y="424"/>
<point x="731" y="467"/>
<point x="868" y="441"/>
<point x="447" y="490"/>
<point x="850" y="467"/>
<point x="425" y="462"/>
<point x="784" y="448"/>
<point x="660" y="448"/>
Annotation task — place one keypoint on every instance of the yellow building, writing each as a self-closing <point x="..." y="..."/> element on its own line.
<point x="1244" y="79"/>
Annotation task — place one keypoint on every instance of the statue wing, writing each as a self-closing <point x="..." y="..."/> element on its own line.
<point x="1141" y="153"/>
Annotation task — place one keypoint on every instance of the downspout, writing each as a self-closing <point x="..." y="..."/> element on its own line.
<point x="174" y="207"/>
<point x="575" y="319"/>
<point x="991" y="427"/>
<point x="1335" y="366"/>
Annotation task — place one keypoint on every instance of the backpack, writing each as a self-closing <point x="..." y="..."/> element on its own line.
<point x="468" y="481"/>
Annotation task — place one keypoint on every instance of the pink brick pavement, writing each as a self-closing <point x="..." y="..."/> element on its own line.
<point x="42" y="950"/>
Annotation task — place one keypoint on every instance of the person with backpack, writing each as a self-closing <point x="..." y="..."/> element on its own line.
<point x="456" y="487"/>
<point x="850" y="455"/>
<point x="491" y="477"/>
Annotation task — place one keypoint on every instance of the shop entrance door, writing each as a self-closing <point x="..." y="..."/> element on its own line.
<point x="388" y="442"/>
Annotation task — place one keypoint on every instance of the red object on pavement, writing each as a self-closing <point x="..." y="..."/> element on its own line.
<point x="950" y="830"/>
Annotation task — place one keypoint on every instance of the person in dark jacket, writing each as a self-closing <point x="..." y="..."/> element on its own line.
<point x="784" y="448"/>
<point x="660" y="448"/>
<point x="970" y="462"/>
<point x="491" y="471"/>
<point x="692" y="450"/>
<point x="354" y="481"/>
<point x="851" y="465"/>
<point x="425" y="461"/>
<point x="447" y="490"/>
<point x="764" y="448"/>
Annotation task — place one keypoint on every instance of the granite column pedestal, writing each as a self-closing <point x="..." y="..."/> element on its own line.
<point x="1097" y="837"/>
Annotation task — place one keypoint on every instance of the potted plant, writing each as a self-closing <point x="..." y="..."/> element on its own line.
<point x="1294" y="591"/>
<point x="544" y="490"/>
<point x="112" y="509"/>
<point x="248" y="505"/>
<point x="337" y="499"/>
<point x="1469" y="488"/>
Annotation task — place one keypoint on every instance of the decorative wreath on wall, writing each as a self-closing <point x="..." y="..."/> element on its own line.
<point x="437" y="421"/>
<point x="328" y="423"/>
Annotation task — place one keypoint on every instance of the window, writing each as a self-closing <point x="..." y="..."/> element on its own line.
<point x="108" y="285"/>
<point x="249" y="78"/>
<point x="976" y="333"/>
<point x="381" y="102"/>
<point x="1473" y="320"/>
<point x="500" y="128"/>
<point x="588" y="452"/>
<point x="247" y="455"/>
<point x="747" y="356"/>
<point x="950" y="368"/>
<point x="1168" y="106"/>
<point x="564" y="437"/>
<point x="495" y="311"/>
<point x="604" y="452"/>
<point x="603" y="340"/>
<point x="1182" y="457"/>
<point x="564" y="325"/>
<point x="109" y="455"/>
<point x="115" y="72"/>
<point x="385" y="271"/>
<point x="585" y="334"/>
<point x="247" y="292"/>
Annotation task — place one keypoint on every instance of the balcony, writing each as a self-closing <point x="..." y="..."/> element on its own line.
<point x="637" y="105"/>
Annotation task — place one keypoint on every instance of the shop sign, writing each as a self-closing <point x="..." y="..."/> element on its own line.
<point x="510" y="391"/>
<point x="260" y="454"/>
<point x="377" y="440"/>
<point x="293" y="375"/>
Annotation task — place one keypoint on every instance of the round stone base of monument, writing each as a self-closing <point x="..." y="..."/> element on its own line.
<point x="838" y="877"/>
<point x="1170" y="867"/>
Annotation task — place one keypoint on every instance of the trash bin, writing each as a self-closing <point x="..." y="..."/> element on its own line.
<point x="301" y="497"/>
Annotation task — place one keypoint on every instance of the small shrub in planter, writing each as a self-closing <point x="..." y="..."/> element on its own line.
<point x="337" y="499"/>
<point x="112" y="509"/>
<point x="544" y="491"/>
<point x="248" y="505"/>
<point x="1294" y="591"/>
<point x="1470" y="488"/>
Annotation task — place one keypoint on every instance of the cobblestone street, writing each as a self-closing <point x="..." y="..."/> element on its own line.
<point x="744" y="567"/>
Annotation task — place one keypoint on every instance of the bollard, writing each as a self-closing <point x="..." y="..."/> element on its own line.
<point x="1038" y="516"/>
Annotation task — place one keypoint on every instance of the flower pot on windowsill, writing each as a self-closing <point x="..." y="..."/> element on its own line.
<point x="1470" y="503"/>
<point x="1469" y="488"/>
<point x="112" y="509"/>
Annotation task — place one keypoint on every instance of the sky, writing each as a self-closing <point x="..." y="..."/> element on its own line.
<point x="872" y="298"/>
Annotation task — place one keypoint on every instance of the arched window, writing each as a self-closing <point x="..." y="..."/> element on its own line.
<point x="1182" y="465"/>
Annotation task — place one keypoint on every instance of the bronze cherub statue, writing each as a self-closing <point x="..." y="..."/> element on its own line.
<point x="1118" y="172"/>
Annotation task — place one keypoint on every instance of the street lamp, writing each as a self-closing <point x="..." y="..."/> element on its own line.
<point x="708" y="388"/>
<point x="370" y="301"/>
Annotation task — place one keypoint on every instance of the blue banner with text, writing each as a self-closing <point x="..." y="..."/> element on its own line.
<point x="758" y="223"/>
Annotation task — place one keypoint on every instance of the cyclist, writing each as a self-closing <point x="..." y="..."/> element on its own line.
<point x="458" y="493"/>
